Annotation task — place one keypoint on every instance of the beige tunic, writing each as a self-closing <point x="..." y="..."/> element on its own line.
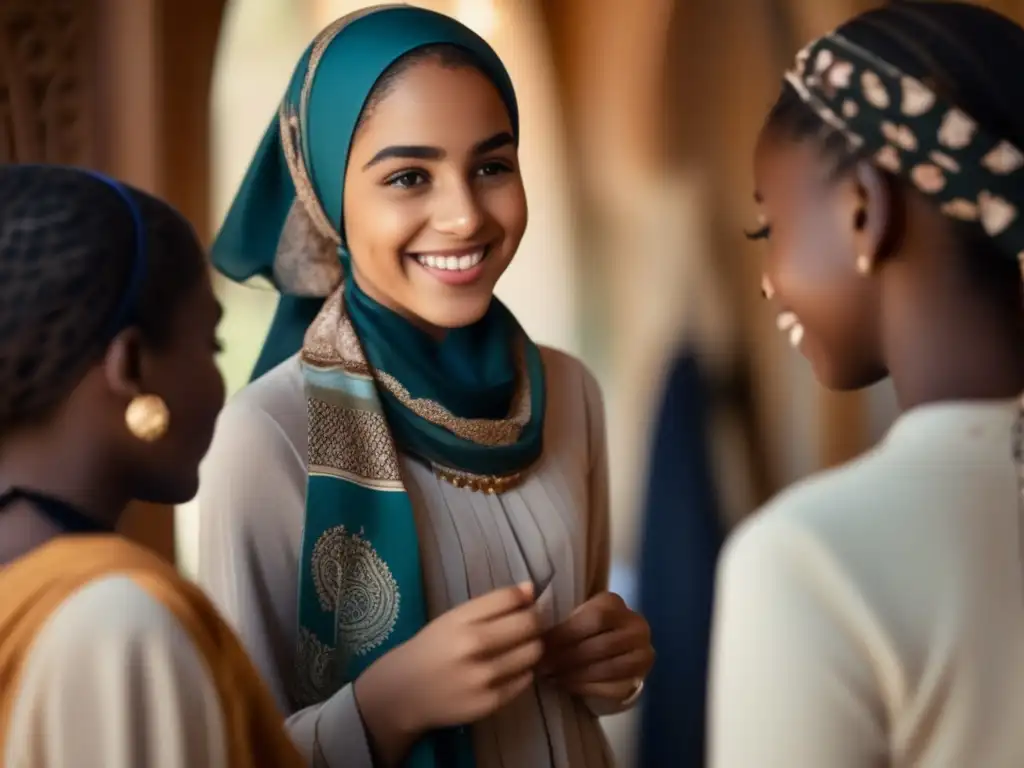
<point x="874" y="615"/>
<point x="127" y="691"/>
<point x="251" y="507"/>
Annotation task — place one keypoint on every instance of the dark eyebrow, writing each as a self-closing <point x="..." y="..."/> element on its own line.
<point x="497" y="141"/>
<point x="415" y="152"/>
<point x="405" y="152"/>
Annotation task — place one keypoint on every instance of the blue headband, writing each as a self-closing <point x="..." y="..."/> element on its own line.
<point x="130" y="297"/>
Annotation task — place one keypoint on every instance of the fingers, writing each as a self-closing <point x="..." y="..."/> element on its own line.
<point x="620" y="690"/>
<point x="594" y="649"/>
<point x="599" y="614"/>
<point x="508" y="631"/>
<point x="522" y="658"/>
<point x="626" y="666"/>
<point x="496" y="603"/>
<point x="512" y="688"/>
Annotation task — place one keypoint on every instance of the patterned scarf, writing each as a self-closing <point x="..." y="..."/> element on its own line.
<point x="906" y="128"/>
<point x="471" y="406"/>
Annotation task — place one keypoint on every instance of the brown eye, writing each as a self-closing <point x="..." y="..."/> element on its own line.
<point x="407" y="179"/>
<point x="493" y="169"/>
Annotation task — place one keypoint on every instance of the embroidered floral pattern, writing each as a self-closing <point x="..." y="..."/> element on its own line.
<point x="353" y="582"/>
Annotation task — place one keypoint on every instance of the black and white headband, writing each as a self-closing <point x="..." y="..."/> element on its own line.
<point x="906" y="128"/>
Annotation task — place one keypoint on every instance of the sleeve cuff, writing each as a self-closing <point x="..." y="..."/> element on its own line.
<point x="605" y="707"/>
<point x="339" y="739"/>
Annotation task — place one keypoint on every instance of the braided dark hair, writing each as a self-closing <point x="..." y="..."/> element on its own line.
<point x="971" y="57"/>
<point x="67" y="252"/>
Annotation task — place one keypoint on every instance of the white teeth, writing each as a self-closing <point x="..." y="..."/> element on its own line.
<point x="785" y="321"/>
<point x="788" y="323"/>
<point x="796" y="335"/>
<point x="453" y="263"/>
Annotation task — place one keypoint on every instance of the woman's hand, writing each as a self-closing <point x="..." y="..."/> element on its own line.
<point x="602" y="650"/>
<point x="461" y="667"/>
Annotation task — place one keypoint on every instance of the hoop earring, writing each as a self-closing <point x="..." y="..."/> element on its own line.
<point x="863" y="264"/>
<point x="147" y="418"/>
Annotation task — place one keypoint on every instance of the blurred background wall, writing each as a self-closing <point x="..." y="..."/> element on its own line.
<point x="638" y="125"/>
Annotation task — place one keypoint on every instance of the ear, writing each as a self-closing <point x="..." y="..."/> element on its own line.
<point x="122" y="364"/>
<point x="872" y="219"/>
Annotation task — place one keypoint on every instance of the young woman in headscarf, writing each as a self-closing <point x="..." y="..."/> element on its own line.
<point x="109" y="392"/>
<point x="874" y="614"/>
<point x="406" y="514"/>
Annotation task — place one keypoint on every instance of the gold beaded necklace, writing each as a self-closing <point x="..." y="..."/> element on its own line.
<point x="490" y="484"/>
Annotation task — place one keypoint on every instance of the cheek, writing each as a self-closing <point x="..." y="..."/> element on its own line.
<point x="378" y="232"/>
<point x="196" y="392"/>
<point x="506" y="204"/>
<point x="814" y="276"/>
<point x="808" y="269"/>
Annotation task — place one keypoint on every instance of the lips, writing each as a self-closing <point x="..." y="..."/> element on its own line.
<point x="451" y="261"/>
<point x="458" y="269"/>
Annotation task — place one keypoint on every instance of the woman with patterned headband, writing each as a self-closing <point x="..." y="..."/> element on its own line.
<point x="874" y="614"/>
<point x="109" y="392"/>
<point x="406" y="514"/>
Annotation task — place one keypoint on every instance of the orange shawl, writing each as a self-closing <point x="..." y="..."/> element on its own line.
<point x="33" y="586"/>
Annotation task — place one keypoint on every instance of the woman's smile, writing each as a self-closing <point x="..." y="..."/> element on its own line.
<point x="455" y="267"/>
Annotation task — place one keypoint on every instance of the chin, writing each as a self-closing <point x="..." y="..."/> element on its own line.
<point x="171" y="491"/>
<point x="452" y="317"/>
<point x="847" y="378"/>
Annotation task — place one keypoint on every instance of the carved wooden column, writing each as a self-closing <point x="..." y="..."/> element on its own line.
<point x="121" y="86"/>
<point x="46" y="97"/>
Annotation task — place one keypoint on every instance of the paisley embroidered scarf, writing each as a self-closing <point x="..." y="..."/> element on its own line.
<point x="471" y="405"/>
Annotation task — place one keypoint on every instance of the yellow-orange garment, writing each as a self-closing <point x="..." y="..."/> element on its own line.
<point x="35" y="585"/>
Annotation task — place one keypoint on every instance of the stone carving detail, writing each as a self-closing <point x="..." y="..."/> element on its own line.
<point x="45" y="72"/>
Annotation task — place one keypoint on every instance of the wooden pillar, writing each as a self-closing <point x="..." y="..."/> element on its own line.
<point x="121" y="86"/>
<point x="156" y="64"/>
<point x="47" y="104"/>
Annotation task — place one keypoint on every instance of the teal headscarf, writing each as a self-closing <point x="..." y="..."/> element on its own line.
<point x="471" y="405"/>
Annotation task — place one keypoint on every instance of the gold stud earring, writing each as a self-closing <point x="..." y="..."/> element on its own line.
<point x="863" y="264"/>
<point x="147" y="418"/>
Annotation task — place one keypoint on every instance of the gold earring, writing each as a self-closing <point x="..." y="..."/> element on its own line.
<point x="864" y="264"/>
<point x="147" y="418"/>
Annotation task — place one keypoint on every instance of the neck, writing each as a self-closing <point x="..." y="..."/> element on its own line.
<point x="947" y="350"/>
<point x="63" y="467"/>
